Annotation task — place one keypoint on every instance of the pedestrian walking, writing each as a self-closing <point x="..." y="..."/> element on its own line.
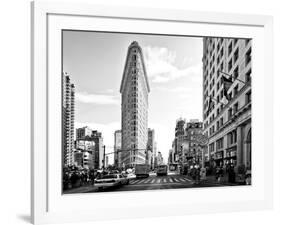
<point x="219" y="173"/>
<point x="231" y="174"/>
<point x="203" y="173"/>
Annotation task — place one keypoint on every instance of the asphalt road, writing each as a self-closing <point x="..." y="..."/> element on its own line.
<point x="153" y="183"/>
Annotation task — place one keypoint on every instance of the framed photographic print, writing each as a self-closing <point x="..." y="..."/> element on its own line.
<point x="163" y="111"/>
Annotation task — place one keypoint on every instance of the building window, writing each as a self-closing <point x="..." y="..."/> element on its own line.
<point x="248" y="76"/>
<point x="229" y="48"/>
<point x="221" y="94"/>
<point x="218" y="86"/>
<point x="231" y="137"/>
<point x="248" y="97"/>
<point x="236" y="55"/>
<point x="235" y="90"/>
<point x="212" y="147"/>
<point x="229" y="65"/>
<point x="218" y="125"/>
<point x="248" y="56"/>
<point x="234" y="136"/>
<point x="236" y="73"/>
<point x="221" y="67"/>
<point x="235" y="108"/>
<point x="221" y="121"/>
<point x="219" y="144"/>
<point x="229" y="113"/>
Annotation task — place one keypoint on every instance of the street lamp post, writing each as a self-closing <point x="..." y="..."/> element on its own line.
<point x="103" y="157"/>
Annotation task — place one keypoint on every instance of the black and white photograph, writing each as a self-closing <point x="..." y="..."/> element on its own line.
<point x="154" y="111"/>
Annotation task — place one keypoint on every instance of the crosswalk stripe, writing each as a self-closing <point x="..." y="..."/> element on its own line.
<point x="187" y="179"/>
<point x="160" y="180"/>
<point x="137" y="181"/>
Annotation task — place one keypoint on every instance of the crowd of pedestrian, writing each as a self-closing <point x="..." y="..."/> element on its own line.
<point x="221" y="173"/>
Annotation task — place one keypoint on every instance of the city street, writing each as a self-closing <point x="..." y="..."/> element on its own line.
<point x="171" y="181"/>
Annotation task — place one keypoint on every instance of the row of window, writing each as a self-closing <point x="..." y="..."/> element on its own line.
<point x="231" y="111"/>
<point x="221" y="94"/>
<point x="220" y="55"/>
<point x="231" y="139"/>
<point x="235" y="75"/>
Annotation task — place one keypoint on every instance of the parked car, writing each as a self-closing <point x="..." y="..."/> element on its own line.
<point x="110" y="180"/>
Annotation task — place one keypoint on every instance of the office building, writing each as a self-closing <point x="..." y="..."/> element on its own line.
<point x="134" y="90"/>
<point x="227" y="101"/>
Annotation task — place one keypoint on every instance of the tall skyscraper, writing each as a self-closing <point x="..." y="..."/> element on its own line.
<point x="117" y="148"/>
<point x="99" y="150"/>
<point x="68" y="103"/>
<point x="134" y="90"/>
<point x="227" y="100"/>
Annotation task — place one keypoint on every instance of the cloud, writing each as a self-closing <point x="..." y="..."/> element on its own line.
<point x="161" y="65"/>
<point x="100" y="99"/>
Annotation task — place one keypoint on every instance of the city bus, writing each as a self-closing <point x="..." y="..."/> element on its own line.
<point x="162" y="170"/>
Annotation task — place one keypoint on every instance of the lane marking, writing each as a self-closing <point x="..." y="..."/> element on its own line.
<point x="182" y="179"/>
<point x="165" y="181"/>
<point x="153" y="180"/>
<point x="133" y="181"/>
<point x="158" y="181"/>
<point x="170" y="179"/>
<point x="176" y="179"/>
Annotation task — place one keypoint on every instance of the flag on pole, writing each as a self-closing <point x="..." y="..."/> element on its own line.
<point x="227" y="82"/>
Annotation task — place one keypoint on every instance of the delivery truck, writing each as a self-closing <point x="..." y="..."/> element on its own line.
<point x="142" y="170"/>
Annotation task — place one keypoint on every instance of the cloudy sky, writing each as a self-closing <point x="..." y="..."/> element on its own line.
<point x="95" y="63"/>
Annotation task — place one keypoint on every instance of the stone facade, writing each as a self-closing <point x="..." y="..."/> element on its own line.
<point x="227" y="118"/>
<point x="134" y="90"/>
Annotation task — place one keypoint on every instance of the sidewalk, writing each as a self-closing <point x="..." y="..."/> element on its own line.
<point x="81" y="189"/>
<point x="212" y="181"/>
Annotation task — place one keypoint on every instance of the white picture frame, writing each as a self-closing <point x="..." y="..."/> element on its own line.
<point x="47" y="203"/>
